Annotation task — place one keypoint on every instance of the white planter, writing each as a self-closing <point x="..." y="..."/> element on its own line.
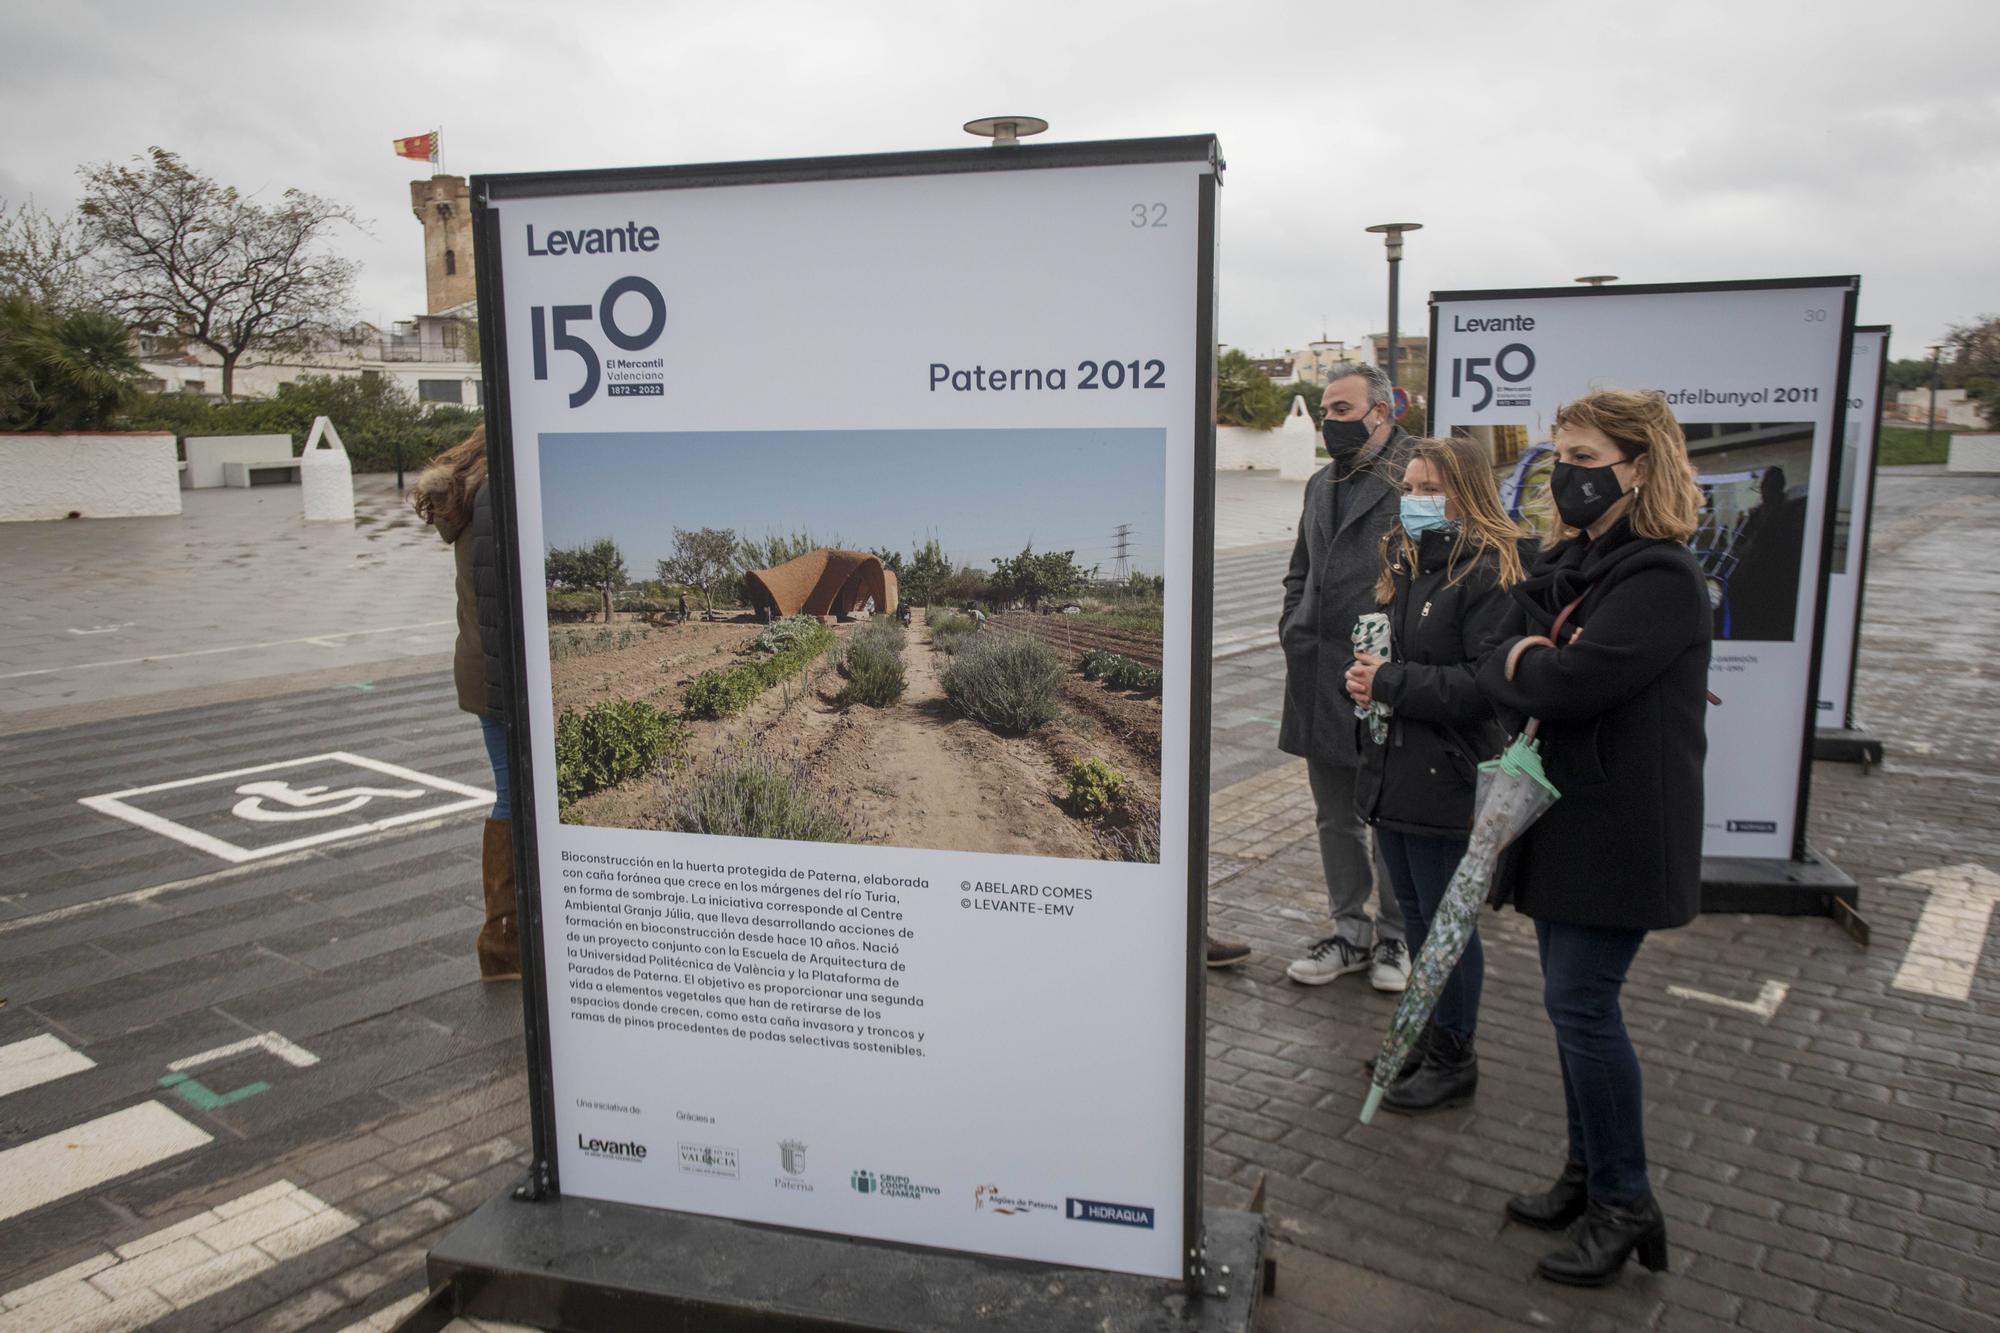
<point x="116" y="475"/>
<point x="326" y="475"/>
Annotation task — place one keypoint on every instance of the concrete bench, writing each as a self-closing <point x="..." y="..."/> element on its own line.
<point x="265" y="473"/>
<point x="207" y="454"/>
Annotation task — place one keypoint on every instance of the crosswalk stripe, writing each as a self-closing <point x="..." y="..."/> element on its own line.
<point x="43" y="1059"/>
<point x="178" y="1265"/>
<point x="82" y="1157"/>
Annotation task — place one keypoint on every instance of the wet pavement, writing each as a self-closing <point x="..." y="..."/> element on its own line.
<point x="330" y="1087"/>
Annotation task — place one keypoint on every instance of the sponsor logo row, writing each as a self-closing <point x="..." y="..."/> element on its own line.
<point x="725" y="1163"/>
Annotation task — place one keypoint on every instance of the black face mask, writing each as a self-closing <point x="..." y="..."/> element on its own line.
<point x="1584" y="494"/>
<point x="1344" y="439"/>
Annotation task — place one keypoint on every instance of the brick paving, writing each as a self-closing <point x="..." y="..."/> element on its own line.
<point x="1833" y="1166"/>
<point x="1830" y="1166"/>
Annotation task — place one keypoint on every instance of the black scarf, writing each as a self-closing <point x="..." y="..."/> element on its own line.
<point x="1564" y="573"/>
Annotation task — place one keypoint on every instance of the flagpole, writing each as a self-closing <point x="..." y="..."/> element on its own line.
<point x="437" y="151"/>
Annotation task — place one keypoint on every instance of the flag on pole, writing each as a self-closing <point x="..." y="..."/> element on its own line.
<point x="423" y="147"/>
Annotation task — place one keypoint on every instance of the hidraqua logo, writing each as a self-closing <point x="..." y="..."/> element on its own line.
<point x="1117" y="1214"/>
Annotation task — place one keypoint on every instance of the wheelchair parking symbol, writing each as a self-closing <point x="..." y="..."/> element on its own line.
<point x="246" y="814"/>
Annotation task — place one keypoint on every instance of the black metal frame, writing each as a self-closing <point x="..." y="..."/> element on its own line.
<point x="1861" y="524"/>
<point x="487" y="191"/>
<point x="1850" y="287"/>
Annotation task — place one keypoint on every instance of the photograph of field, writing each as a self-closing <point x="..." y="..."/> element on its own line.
<point x="937" y="639"/>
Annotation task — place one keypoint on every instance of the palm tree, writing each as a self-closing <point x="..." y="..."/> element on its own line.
<point x="71" y="372"/>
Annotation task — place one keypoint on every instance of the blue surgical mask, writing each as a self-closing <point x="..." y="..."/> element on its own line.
<point x="1421" y="513"/>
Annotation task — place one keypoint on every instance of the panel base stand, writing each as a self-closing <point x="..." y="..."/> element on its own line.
<point x="1812" y="887"/>
<point x="1848" y="746"/>
<point x="584" y="1266"/>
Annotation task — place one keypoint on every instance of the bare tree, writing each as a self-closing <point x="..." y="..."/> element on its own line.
<point x="186" y="255"/>
<point x="44" y="258"/>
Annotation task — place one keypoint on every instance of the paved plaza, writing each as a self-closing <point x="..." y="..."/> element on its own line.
<point x="302" y="1083"/>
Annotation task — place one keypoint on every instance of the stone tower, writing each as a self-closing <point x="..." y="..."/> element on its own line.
<point x="442" y="204"/>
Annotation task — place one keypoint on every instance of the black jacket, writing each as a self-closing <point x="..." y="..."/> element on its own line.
<point x="1420" y="780"/>
<point x="1624" y="711"/>
<point x="1331" y="584"/>
<point x="494" y="636"/>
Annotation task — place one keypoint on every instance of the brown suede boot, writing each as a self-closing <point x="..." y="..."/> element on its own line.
<point x="500" y="937"/>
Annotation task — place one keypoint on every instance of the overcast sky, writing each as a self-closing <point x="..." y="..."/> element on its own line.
<point x="1536" y="140"/>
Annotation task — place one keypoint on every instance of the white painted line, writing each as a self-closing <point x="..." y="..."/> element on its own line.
<point x="231" y="648"/>
<point x="298" y="1057"/>
<point x="1943" y="956"/>
<point x="115" y="805"/>
<point x="178" y="1265"/>
<point x="23" y="1064"/>
<point x="136" y="897"/>
<point x="1764" y="1006"/>
<point x="85" y="1156"/>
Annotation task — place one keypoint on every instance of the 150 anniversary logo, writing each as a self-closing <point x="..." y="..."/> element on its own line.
<point x="557" y="329"/>
<point x="1512" y="365"/>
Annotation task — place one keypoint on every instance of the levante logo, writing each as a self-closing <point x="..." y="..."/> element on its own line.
<point x="628" y="1150"/>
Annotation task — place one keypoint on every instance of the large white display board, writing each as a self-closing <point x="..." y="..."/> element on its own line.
<point x="1754" y="373"/>
<point x="961" y="1019"/>
<point x="1850" y="539"/>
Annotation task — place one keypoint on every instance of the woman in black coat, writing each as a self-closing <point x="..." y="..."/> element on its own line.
<point x="1623" y="703"/>
<point x="1443" y="570"/>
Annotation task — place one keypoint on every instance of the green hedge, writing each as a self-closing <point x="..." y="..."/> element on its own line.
<point x="372" y="416"/>
<point x="609" y="742"/>
<point x="1120" y="672"/>
<point x="719" y="694"/>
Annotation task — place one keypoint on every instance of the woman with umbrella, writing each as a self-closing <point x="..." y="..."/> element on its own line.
<point x="1443" y="569"/>
<point x="1622" y="703"/>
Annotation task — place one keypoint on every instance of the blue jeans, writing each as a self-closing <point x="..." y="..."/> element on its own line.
<point x="1583" y="970"/>
<point x="494" y="731"/>
<point x="1420" y="869"/>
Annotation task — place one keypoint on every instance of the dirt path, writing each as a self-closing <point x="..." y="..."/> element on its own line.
<point x="921" y="775"/>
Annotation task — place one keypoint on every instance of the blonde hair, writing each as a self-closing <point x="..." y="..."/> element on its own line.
<point x="1467" y="476"/>
<point x="1667" y="505"/>
<point x="444" y="490"/>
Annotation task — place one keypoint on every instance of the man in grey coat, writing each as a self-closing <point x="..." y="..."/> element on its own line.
<point x="1350" y="504"/>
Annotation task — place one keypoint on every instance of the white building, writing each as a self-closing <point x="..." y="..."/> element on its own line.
<point x="1954" y="408"/>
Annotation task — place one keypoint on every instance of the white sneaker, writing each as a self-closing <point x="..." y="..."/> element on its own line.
<point x="1331" y="957"/>
<point x="1390" y="968"/>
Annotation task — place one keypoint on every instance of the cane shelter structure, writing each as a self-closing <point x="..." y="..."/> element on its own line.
<point x="825" y="582"/>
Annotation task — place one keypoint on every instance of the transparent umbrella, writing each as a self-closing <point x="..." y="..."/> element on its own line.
<point x="1513" y="793"/>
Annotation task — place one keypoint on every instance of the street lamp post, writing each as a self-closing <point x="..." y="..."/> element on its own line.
<point x="1392" y="240"/>
<point x="1930" y="430"/>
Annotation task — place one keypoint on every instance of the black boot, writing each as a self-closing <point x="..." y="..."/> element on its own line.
<point x="1607" y="1236"/>
<point x="1449" y="1076"/>
<point x="1414" y="1061"/>
<point x="1558" y="1206"/>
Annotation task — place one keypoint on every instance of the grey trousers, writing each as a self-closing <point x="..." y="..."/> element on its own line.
<point x="1353" y="864"/>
